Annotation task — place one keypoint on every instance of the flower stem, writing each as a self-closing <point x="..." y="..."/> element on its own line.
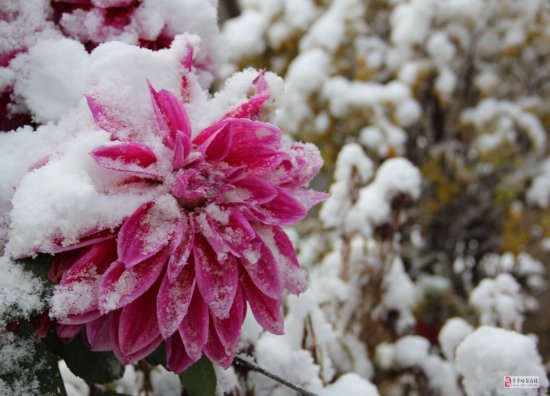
<point x="251" y="366"/>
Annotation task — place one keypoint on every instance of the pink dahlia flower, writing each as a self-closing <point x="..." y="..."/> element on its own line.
<point x="184" y="267"/>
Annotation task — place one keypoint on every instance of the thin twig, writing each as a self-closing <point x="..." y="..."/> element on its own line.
<point x="251" y="366"/>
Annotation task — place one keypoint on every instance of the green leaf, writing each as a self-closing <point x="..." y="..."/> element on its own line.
<point x="158" y="356"/>
<point x="32" y="368"/>
<point x="200" y="378"/>
<point x="92" y="367"/>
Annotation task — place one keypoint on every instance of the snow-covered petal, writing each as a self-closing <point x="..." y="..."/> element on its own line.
<point x="229" y="330"/>
<point x="170" y="115"/>
<point x="217" y="281"/>
<point x="173" y="300"/>
<point x="259" y="263"/>
<point x="194" y="326"/>
<point x="266" y="310"/>
<point x="284" y="209"/>
<point x="181" y="246"/>
<point x="144" y="234"/>
<point x="104" y="118"/>
<point x="138" y="325"/>
<point x="277" y="241"/>
<point x="121" y="285"/>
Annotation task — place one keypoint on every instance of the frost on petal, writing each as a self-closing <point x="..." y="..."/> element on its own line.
<point x="138" y="325"/>
<point x="87" y="239"/>
<point x="252" y="108"/>
<point x="181" y="246"/>
<point x="277" y="241"/>
<point x="207" y="227"/>
<point x="194" y="327"/>
<point x="104" y="118"/>
<point x="170" y="115"/>
<point x="259" y="263"/>
<point x="255" y="145"/>
<point x="301" y="165"/>
<point x="251" y="189"/>
<point x="131" y="158"/>
<point x="217" y="281"/>
<point x="121" y="285"/>
<point x="232" y="229"/>
<point x="284" y="209"/>
<point x="309" y="198"/>
<point x="75" y="299"/>
<point x="145" y="232"/>
<point x="229" y="330"/>
<point x="173" y="301"/>
<point x="177" y="358"/>
<point x="266" y="310"/>
<point x="98" y="334"/>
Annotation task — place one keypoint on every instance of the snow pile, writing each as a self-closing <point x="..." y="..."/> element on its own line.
<point x="21" y="294"/>
<point x="396" y="184"/>
<point x="17" y="362"/>
<point x="490" y="353"/>
<point x="499" y="302"/>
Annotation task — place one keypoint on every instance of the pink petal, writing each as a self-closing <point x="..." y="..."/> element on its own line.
<point x="182" y="150"/>
<point x="98" y="334"/>
<point x="216" y="351"/>
<point x="236" y="233"/>
<point x="181" y="246"/>
<point x="194" y="326"/>
<point x="251" y="189"/>
<point x="217" y="281"/>
<point x="277" y="241"/>
<point x="67" y="332"/>
<point x="207" y="227"/>
<point x="309" y="198"/>
<point x="252" y="108"/>
<point x="173" y="301"/>
<point x="81" y="318"/>
<point x="138" y="326"/>
<point x="263" y="270"/>
<point x="266" y="310"/>
<point x="229" y="330"/>
<point x="284" y="209"/>
<point x="255" y="145"/>
<point x="104" y="118"/>
<point x="131" y="158"/>
<point x="86" y="240"/>
<point x="120" y="285"/>
<point x="170" y="115"/>
<point x="187" y="61"/>
<point x="218" y="144"/>
<point x="188" y="190"/>
<point x="176" y="358"/>
<point x="90" y="263"/>
<point x="144" y="234"/>
<point x="302" y="164"/>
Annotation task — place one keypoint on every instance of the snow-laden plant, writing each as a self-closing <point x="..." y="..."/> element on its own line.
<point x="432" y="120"/>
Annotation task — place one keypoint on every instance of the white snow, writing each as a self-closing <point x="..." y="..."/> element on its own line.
<point x="451" y="334"/>
<point x="20" y="291"/>
<point x="490" y="353"/>
<point x="350" y="384"/>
